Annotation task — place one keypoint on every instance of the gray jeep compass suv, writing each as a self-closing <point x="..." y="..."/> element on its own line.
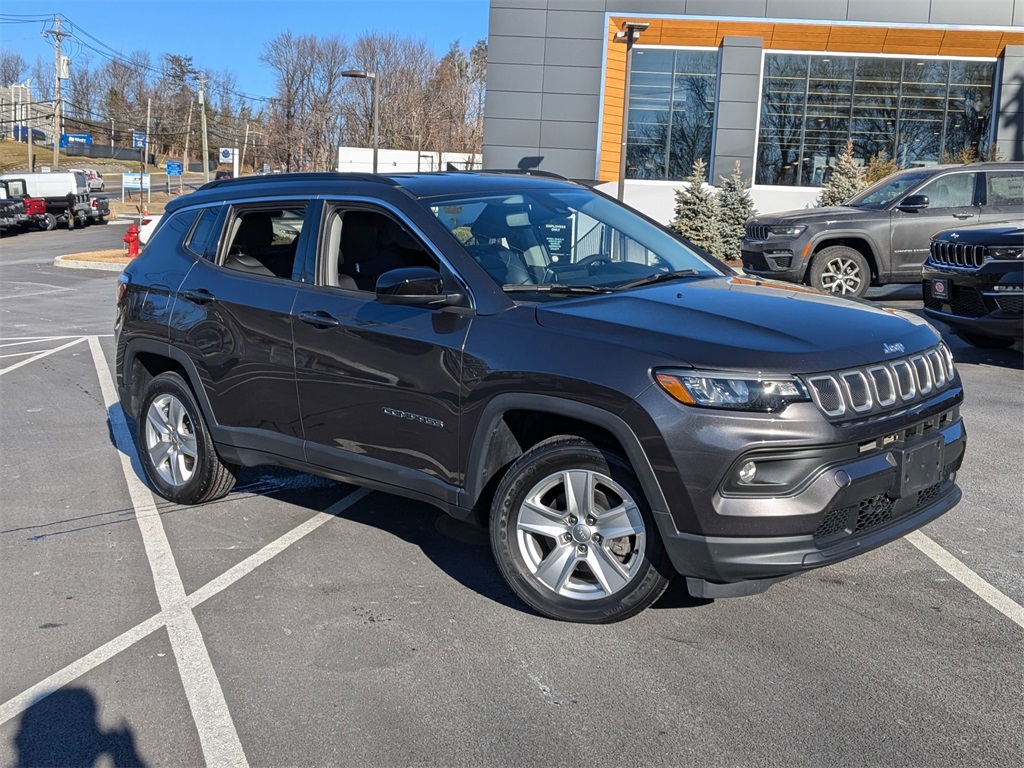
<point x="528" y="353"/>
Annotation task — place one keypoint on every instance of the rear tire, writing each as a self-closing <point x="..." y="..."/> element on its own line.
<point x="840" y="270"/>
<point x="48" y="223"/>
<point x="175" y="445"/>
<point x="986" y="342"/>
<point x="573" y="536"/>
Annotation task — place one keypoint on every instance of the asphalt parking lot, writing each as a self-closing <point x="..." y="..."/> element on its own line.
<point x="304" y="622"/>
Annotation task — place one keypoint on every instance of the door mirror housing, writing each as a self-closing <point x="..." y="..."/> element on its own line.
<point x="415" y="287"/>
<point x="913" y="203"/>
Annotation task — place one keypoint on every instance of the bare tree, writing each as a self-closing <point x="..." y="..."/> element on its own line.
<point x="12" y="67"/>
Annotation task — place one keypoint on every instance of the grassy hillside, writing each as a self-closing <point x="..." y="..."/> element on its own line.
<point x="14" y="157"/>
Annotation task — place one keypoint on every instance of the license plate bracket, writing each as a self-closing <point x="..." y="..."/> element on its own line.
<point x="918" y="467"/>
<point x="941" y="290"/>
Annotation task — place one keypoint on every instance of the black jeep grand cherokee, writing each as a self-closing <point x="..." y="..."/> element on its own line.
<point x="527" y="351"/>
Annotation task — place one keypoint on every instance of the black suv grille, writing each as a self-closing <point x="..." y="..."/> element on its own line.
<point x="1011" y="305"/>
<point x="876" y="388"/>
<point x="875" y="511"/>
<point x="957" y="255"/>
<point x="757" y="232"/>
<point x="963" y="301"/>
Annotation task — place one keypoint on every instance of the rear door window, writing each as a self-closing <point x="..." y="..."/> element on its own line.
<point x="1005" y="189"/>
<point x="264" y="240"/>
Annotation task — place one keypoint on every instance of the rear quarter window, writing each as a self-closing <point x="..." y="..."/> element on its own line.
<point x="1005" y="189"/>
<point x="203" y="240"/>
<point x="175" y="227"/>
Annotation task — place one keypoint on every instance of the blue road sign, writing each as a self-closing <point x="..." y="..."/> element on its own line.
<point x="173" y="169"/>
<point x="139" y="139"/>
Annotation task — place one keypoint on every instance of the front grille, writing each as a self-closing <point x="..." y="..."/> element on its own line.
<point x="957" y="255"/>
<point x="757" y="232"/>
<point x="874" y="511"/>
<point x="859" y="392"/>
<point x="1011" y="305"/>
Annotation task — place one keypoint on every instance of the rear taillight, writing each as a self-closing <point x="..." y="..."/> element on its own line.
<point x="122" y="286"/>
<point x="95" y="203"/>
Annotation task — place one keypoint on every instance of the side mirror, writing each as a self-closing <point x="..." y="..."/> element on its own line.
<point x="914" y="203"/>
<point x="415" y="287"/>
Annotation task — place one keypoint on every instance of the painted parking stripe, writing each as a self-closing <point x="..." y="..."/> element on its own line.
<point x="67" y="675"/>
<point x="41" y="355"/>
<point x="941" y="557"/>
<point x="217" y="734"/>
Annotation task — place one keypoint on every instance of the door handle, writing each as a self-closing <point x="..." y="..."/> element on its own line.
<point x="319" y="319"/>
<point x="198" y="295"/>
<point x="963" y="216"/>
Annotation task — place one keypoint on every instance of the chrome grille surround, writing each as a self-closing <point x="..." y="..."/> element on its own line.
<point x="879" y="387"/>
<point x="957" y="255"/>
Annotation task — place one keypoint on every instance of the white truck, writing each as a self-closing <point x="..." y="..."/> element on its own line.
<point x="54" y="189"/>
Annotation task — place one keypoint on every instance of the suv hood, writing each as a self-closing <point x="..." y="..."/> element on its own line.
<point x="997" y="235"/>
<point x="811" y="215"/>
<point x="737" y="323"/>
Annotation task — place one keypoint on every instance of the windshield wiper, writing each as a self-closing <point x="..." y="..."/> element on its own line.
<point x="553" y="288"/>
<point x="660" y="277"/>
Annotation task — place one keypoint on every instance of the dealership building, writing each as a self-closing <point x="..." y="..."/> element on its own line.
<point x="779" y="86"/>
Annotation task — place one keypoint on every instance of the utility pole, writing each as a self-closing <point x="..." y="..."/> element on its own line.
<point x="28" y="129"/>
<point x="206" y="142"/>
<point x="184" y="159"/>
<point x="244" y="145"/>
<point x="145" y="152"/>
<point x="57" y="69"/>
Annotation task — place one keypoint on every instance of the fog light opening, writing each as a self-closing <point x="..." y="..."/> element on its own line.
<point x="747" y="473"/>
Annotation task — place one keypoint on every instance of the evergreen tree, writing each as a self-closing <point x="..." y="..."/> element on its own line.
<point x="847" y="179"/>
<point x="735" y="206"/>
<point x="696" y="216"/>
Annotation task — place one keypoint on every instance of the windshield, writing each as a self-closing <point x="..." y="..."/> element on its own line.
<point x="569" y="239"/>
<point x="883" y="192"/>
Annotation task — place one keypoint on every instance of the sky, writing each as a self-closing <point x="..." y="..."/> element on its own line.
<point x="231" y="34"/>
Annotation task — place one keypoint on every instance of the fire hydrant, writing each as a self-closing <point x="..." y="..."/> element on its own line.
<point x="132" y="239"/>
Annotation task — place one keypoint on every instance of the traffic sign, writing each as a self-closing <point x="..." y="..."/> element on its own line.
<point x="139" y="139"/>
<point x="173" y="168"/>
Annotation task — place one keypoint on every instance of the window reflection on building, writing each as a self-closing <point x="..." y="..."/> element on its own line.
<point x="671" y="111"/>
<point x="917" y="111"/>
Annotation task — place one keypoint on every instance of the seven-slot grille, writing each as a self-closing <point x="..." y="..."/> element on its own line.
<point x="757" y="232"/>
<point x="874" y="388"/>
<point x="960" y="255"/>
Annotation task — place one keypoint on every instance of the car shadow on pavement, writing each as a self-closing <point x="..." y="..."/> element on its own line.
<point x="62" y="729"/>
<point x="462" y="550"/>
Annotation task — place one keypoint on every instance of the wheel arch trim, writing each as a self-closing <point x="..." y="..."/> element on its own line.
<point x="498" y="406"/>
<point x="135" y="347"/>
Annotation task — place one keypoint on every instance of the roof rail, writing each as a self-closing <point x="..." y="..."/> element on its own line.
<point x="302" y="176"/>
<point x="524" y="172"/>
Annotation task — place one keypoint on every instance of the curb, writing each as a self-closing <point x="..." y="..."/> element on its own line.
<point x="70" y="263"/>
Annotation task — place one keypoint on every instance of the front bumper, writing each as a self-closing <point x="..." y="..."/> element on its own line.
<point x="988" y="301"/>
<point x="864" y="484"/>
<point x="778" y="258"/>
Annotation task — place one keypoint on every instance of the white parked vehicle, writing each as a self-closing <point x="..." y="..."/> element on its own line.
<point x="147" y="226"/>
<point x="54" y="189"/>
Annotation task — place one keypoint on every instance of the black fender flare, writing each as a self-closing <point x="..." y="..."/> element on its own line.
<point x="515" y="401"/>
<point x="136" y="346"/>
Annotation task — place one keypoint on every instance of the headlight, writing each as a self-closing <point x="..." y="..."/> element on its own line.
<point x="789" y="230"/>
<point x="733" y="391"/>
<point x="1005" y="252"/>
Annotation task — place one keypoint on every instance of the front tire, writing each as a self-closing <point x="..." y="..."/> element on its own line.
<point x="840" y="270"/>
<point x="573" y="536"/>
<point x="175" y="445"/>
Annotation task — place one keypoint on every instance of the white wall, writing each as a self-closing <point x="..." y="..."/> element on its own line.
<point x="360" y="160"/>
<point x="657" y="198"/>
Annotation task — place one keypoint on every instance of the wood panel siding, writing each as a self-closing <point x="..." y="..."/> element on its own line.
<point x="787" y="37"/>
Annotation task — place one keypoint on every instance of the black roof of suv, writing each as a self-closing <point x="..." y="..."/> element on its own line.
<point x="528" y="353"/>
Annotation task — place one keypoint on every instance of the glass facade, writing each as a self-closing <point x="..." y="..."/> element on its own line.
<point x="671" y="111"/>
<point x="917" y="111"/>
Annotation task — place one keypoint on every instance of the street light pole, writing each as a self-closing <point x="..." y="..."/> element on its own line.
<point x="629" y="34"/>
<point x="358" y="73"/>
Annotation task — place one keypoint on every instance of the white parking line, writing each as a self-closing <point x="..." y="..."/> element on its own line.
<point x="1005" y="605"/>
<point x="217" y="734"/>
<point x="41" y="355"/>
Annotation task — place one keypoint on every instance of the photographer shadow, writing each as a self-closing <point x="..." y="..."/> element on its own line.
<point x="62" y="729"/>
